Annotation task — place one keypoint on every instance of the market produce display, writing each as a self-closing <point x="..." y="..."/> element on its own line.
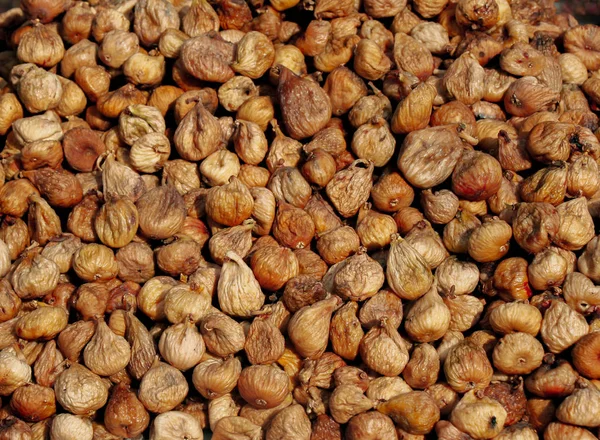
<point x="299" y="220"/>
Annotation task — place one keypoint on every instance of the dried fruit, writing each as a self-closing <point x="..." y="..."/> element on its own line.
<point x="492" y="149"/>
<point x="404" y="263"/>
<point x="383" y="350"/>
<point x="41" y="46"/>
<point x="229" y="204"/>
<point x="427" y="157"/>
<point x="80" y="391"/>
<point x="562" y="327"/>
<point x="415" y="412"/>
<point x="308" y="328"/>
<point x="69" y="426"/>
<point x="293" y="90"/>
<point x="467" y="367"/>
<point x="263" y="386"/>
<point x="43" y="323"/>
<point x="162" y="388"/>
<point x="479" y="417"/>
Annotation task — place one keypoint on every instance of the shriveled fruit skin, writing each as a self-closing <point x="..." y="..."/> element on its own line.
<point x="304" y="209"/>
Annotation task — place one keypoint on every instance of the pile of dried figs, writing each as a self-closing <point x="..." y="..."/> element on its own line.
<point x="299" y="220"/>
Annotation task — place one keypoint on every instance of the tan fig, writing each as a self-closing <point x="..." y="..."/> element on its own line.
<point x="374" y="229"/>
<point x="214" y="378"/>
<point x="293" y="227"/>
<point x="254" y="55"/>
<point x="222" y="335"/>
<point x="554" y="378"/>
<point x="33" y="276"/>
<point x="263" y="212"/>
<point x="562" y="327"/>
<point x="477" y="176"/>
<point x="263" y="386"/>
<point x="284" y="151"/>
<point x="374" y="142"/>
<point x="427" y="242"/>
<point x="117" y="222"/>
<point x="176" y="425"/>
<point x="290" y="422"/>
<point x="457" y="276"/>
<point x="42" y="46"/>
<point x="345" y="332"/>
<point x="405" y="263"/>
<point x="288" y="185"/>
<point x="308" y="328"/>
<point x="80" y="391"/>
<point x="273" y="266"/>
<point x="576" y="225"/>
<point x="181" y="345"/>
<point x="467" y="367"/>
<point x="359" y="277"/>
<point x="383" y="350"/>
<point x="43" y="323"/>
<point x="43" y="222"/>
<point x="490" y="420"/>
<point x="118" y="180"/>
<point x="235" y="426"/>
<point x="556" y="430"/>
<point x="162" y="388"/>
<point x="264" y="343"/>
<point x="152" y="17"/>
<point x="391" y="192"/>
<point x="428" y="318"/>
<point x="125" y="415"/>
<point x="239" y="292"/>
<point x="182" y="303"/>
<point x="535" y="225"/>
<point x="143" y="350"/>
<point x="52" y="184"/>
<point x="582" y="176"/>
<point x="516" y="317"/>
<point x="548" y="268"/>
<point x="229" y="204"/>
<point x="490" y="241"/>
<point x="422" y="149"/>
<point x="518" y="353"/>
<point x="198" y="135"/>
<point x="347" y="401"/>
<point x="16" y="371"/>
<point x="423" y="367"/>
<point x="414" y="111"/>
<point x="412" y="57"/>
<point x="106" y="353"/>
<point x="250" y="142"/>
<point x="161" y="212"/>
<point x="385" y="304"/>
<point x="200" y="18"/>
<point x="416" y="412"/>
<point x="350" y="188"/>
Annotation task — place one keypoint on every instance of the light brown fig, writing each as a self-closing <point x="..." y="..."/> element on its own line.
<point x="415" y="412"/>
<point x="308" y="328"/>
<point x="405" y="263"/>
<point x="383" y="350"/>
<point x="263" y="386"/>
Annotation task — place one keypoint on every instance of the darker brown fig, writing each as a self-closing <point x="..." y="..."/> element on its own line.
<point x="82" y="147"/>
<point x="305" y="107"/>
<point x="59" y="187"/>
<point x="162" y="212"/>
<point x="125" y="416"/>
